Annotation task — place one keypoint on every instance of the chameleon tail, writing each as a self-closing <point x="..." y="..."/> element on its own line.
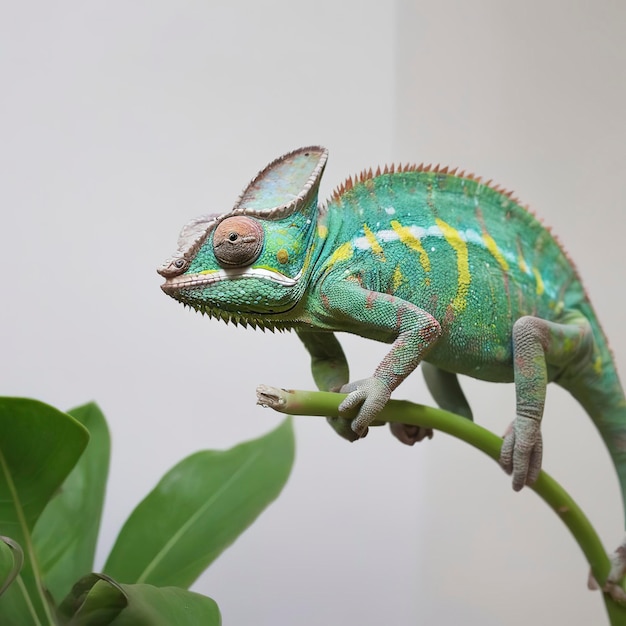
<point x="598" y="389"/>
<point x="600" y="393"/>
<point x="608" y="411"/>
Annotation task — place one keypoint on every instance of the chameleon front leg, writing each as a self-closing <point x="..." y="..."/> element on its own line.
<point x="445" y="389"/>
<point x="330" y="370"/>
<point x="328" y="360"/>
<point x="384" y="317"/>
<point x="538" y="344"/>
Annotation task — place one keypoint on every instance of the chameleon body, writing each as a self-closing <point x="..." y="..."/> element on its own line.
<point x="450" y="271"/>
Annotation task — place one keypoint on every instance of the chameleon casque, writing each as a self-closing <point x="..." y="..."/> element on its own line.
<point x="452" y="272"/>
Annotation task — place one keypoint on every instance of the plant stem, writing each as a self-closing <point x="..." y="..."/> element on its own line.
<point x="325" y="404"/>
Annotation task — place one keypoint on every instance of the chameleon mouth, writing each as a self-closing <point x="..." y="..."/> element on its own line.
<point x="185" y="282"/>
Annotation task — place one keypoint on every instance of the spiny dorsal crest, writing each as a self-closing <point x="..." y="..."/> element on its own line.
<point x="369" y="174"/>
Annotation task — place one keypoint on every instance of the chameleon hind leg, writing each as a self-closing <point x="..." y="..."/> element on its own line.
<point x="445" y="389"/>
<point x="540" y="348"/>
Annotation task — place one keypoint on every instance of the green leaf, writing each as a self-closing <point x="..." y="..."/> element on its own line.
<point x="66" y="533"/>
<point x="94" y="600"/>
<point x="199" y="508"/>
<point x="39" y="445"/>
<point x="11" y="561"/>
<point x="97" y="600"/>
<point x="164" y="606"/>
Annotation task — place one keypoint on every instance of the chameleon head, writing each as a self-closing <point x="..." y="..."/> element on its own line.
<point x="250" y="262"/>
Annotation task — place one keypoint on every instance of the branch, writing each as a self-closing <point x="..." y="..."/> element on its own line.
<point x="325" y="404"/>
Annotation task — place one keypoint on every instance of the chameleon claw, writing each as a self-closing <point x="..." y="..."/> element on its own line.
<point x="616" y="592"/>
<point x="410" y="434"/>
<point x="522" y="451"/>
<point x="369" y="396"/>
<point x="612" y="585"/>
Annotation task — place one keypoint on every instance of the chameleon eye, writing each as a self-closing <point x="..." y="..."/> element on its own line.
<point x="237" y="241"/>
<point x="173" y="267"/>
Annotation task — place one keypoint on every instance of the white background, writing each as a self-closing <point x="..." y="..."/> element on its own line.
<point x="119" y="121"/>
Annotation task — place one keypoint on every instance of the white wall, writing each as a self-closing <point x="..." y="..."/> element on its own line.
<point x="119" y="121"/>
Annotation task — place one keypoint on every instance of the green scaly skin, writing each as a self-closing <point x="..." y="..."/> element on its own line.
<point x="447" y="269"/>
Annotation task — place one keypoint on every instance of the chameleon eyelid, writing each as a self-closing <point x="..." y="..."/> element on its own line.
<point x="238" y="241"/>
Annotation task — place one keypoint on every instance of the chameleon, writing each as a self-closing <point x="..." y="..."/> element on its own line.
<point x="453" y="272"/>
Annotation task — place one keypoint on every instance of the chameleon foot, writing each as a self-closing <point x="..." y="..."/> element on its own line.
<point x="410" y="434"/>
<point x="522" y="451"/>
<point x="369" y="397"/>
<point x="618" y="569"/>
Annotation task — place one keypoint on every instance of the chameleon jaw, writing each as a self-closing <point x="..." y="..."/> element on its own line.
<point x="273" y="318"/>
<point x="174" y="284"/>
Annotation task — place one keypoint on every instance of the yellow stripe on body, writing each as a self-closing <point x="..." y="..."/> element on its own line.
<point x="343" y="253"/>
<point x="411" y="241"/>
<point x="397" y="279"/>
<point x="597" y="365"/>
<point x="540" y="285"/>
<point x="373" y="242"/>
<point x="454" y="239"/>
<point x="492" y="246"/>
<point x="522" y="264"/>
